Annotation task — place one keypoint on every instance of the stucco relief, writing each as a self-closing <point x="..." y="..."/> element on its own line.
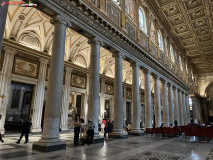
<point x="78" y="81"/>
<point x="109" y="88"/>
<point x="22" y="67"/>
<point x="128" y="93"/>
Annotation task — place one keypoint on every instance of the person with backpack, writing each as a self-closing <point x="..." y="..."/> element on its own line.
<point x="90" y="131"/>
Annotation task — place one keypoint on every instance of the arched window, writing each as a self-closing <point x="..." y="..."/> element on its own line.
<point x="129" y="8"/>
<point x="152" y="32"/>
<point x="160" y="40"/>
<point x="171" y="53"/>
<point x="180" y="63"/>
<point x="142" y="20"/>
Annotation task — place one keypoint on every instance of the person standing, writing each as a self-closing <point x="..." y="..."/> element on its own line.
<point x="0" y="132"/>
<point x="25" y="130"/>
<point x="82" y="124"/>
<point x="76" y="131"/>
<point x="90" y="132"/>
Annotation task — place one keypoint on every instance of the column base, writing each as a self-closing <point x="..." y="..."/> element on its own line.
<point x="118" y="135"/>
<point x="136" y="132"/>
<point x="36" y="131"/>
<point x="49" y="147"/>
<point x="96" y="139"/>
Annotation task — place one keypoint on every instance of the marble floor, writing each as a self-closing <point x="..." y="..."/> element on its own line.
<point x="132" y="148"/>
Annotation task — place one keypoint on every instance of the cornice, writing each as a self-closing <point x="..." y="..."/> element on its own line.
<point x="86" y="21"/>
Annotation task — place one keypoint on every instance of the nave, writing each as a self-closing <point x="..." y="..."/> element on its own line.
<point x="132" y="148"/>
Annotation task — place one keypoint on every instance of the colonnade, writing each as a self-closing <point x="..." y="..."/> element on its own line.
<point x="174" y="99"/>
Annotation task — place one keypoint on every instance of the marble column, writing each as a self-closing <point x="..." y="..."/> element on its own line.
<point x="5" y="80"/>
<point x="65" y="99"/>
<point x="93" y="99"/>
<point x="3" y="17"/>
<point x="38" y="100"/>
<point x="165" y="104"/>
<point x="157" y="101"/>
<point x="50" y="136"/>
<point x="148" y="105"/>
<point x="171" y="104"/>
<point x="176" y="106"/>
<point x="180" y="108"/>
<point x="136" y="130"/>
<point x="188" y="109"/>
<point x="86" y="99"/>
<point x="124" y="104"/>
<point x="118" y="131"/>
<point x="184" y="109"/>
<point x="102" y="99"/>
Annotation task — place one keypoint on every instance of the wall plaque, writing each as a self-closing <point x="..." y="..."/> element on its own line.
<point x="78" y="81"/>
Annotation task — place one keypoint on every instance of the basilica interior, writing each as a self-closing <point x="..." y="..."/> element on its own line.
<point x="148" y="63"/>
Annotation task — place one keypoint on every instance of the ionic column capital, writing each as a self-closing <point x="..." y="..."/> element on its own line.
<point x="134" y="64"/>
<point x="163" y="81"/>
<point x="95" y="40"/>
<point x="155" y="76"/>
<point x="146" y="71"/>
<point x="118" y="55"/>
<point x="68" y="68"/>
<point x="44" y="61"/>
<point x="62" y="20"/>
<point x="10" y="50"/>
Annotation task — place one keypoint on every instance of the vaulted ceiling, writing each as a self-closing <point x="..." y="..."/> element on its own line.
<point x="191" y="24"/>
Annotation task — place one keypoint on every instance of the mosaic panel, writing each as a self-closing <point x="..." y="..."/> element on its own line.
<point x="154" y="50"/>
<point x="113" y="14"/>
<point x="130" y="30"/>
<point x="168" y="63"/>
<point x="162" y="57"/>
<point x="144" y="42"/>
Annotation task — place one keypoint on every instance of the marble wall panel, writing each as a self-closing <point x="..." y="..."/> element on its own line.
<point x="154" y="50"/>
<point x="162" y="57"/>
<point x="144" y="42"/>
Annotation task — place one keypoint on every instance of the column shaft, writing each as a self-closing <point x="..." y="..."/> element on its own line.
<point x="171" y="105"/>
<point x="184" y="109"/>
<point x="176" y="106"/>
<point x="5" y="80"/>
<point x="118" y="100"/>
<point x="148" y="105"/>
<point x="136" y="101"/>
<point x="93" y="101"/>
<point x="157" y="102"/>
<point x="165" y="104"/>
<point x="3" y="17"/>
<point x="180" y="108"/>
<point x="65" y="99"/>
<point x="55" y="81"/>
<point x="39" y="97"/>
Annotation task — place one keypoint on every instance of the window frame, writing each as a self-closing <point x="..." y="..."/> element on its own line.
<point x="143" y="26"/>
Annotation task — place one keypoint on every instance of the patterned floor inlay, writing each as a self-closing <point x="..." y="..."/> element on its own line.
<point x="210" y="156"/>
<point x="183" y="148"/>
<point x="153" y="156"/>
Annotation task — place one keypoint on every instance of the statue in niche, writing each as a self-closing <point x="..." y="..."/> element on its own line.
<point x="71" y="115"/>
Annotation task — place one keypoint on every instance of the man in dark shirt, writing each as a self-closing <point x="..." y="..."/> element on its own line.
<point x="25" y="130"/>
<point x="0" y="132"/>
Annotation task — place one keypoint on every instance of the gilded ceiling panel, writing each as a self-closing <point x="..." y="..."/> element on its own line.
<point x="191" y="23"/>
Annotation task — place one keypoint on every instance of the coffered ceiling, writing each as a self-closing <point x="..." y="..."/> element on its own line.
<point x="191" y="24"/>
